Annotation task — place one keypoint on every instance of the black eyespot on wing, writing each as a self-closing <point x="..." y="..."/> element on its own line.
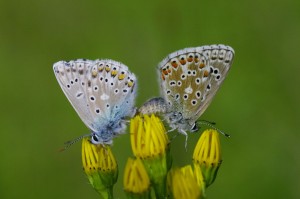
<point x="79" y="94"/>
<point x="208" y="87"/>
<point x="185" y="96"/>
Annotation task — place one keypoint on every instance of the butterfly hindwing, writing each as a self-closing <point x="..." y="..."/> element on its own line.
<point x="102" y="92"/>
<point x="190" y="78"/>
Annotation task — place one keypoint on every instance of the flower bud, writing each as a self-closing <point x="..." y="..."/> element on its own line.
<point x="207" y="155"/>
<point x="136" y="181"/>
<point x="183" y="184"/>
<point x="100" y="167"/>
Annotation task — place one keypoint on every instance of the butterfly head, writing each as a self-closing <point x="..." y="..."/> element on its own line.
<point x="97" y="139"/>
<point x="176" y="121"/>
<point x="108" y="131"/>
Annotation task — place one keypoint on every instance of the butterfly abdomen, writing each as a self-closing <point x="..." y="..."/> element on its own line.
<point x="155" y="105"/>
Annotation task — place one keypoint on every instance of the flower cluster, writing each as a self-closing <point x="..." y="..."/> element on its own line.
<point x="150" y="173"/>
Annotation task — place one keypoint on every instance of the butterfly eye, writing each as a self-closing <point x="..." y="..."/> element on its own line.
<point x="95" y="139"/>
<point x="194" y="128"/>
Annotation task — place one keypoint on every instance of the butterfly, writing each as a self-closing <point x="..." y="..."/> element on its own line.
<point x="102" y="92"/>
<point x="189" y="79"/>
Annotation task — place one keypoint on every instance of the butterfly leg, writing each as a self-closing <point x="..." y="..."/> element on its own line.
<point x="172" y="129"/>
<point x="186" y="137"/>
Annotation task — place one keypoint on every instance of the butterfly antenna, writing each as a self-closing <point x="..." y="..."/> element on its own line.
<point x="71" y="142"/>
<point x="211" y="124"/>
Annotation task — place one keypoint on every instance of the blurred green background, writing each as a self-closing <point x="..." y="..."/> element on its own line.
<point x="258" y="103"/>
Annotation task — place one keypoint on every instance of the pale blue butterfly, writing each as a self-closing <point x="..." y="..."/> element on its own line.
<point x="189" y="79"/>
<point x="102" y="92"/>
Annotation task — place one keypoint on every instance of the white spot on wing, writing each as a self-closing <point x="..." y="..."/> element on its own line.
<point x="104" y="97"/>
<point x="188" y="90"/>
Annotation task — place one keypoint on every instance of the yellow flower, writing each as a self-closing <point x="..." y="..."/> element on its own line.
<point x="183" y="183"/>
<point x="136" y="181"/>
<point x="100" y="167"/>
<point x="108" y="168"/>
<point x="148" y="136"/>
<point x="199" y="178"/>
<point x="149" y="142"/>
<point x="207" y="155"/>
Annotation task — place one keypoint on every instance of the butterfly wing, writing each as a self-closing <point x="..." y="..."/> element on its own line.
<point x="191" y="77"/>
<point x="116" y="93"/>
<point x="72" y="77"/>
<point x="99" y="91"/>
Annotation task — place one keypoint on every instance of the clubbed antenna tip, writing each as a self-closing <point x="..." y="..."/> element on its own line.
<point x="211" y="124"/>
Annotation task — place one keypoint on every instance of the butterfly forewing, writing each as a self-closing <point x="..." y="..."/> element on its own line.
<point x="191" y="77"/>
<point x="71" y="77"/>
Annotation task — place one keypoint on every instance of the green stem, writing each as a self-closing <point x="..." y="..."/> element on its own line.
<point x="160" y="189"/>
<point x="106" y="193"/>
<point x="110" y="193"/>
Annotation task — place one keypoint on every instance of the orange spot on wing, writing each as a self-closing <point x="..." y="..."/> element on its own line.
<point x="100" y="68"/>
<point x="202" y="65"/>
<point x="94" y="73"/>
<point x="114" y="73"/>
<point x="164" y="71"/>
<point x="121" y="76"/>
<point x="190" y="59"/>
<point x="205" y="74"/>
<point x="182" y="61"/>
<point x="174" y="64"/>
<point x="130" y="83"/>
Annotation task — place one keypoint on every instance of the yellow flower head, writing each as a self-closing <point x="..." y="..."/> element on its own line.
<point x="207" y="155"/>
<point x="183" y="183"/>
<point x="148" y="136"/>
<point x="90" y="158"/>
<point x="100" y="167"/>
<point x="136" y="180"/>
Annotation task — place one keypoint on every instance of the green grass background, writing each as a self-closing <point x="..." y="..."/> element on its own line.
<point x="258" y="103"/>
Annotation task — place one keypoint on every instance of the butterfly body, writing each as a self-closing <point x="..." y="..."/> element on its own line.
<point x="102" y="92"/>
